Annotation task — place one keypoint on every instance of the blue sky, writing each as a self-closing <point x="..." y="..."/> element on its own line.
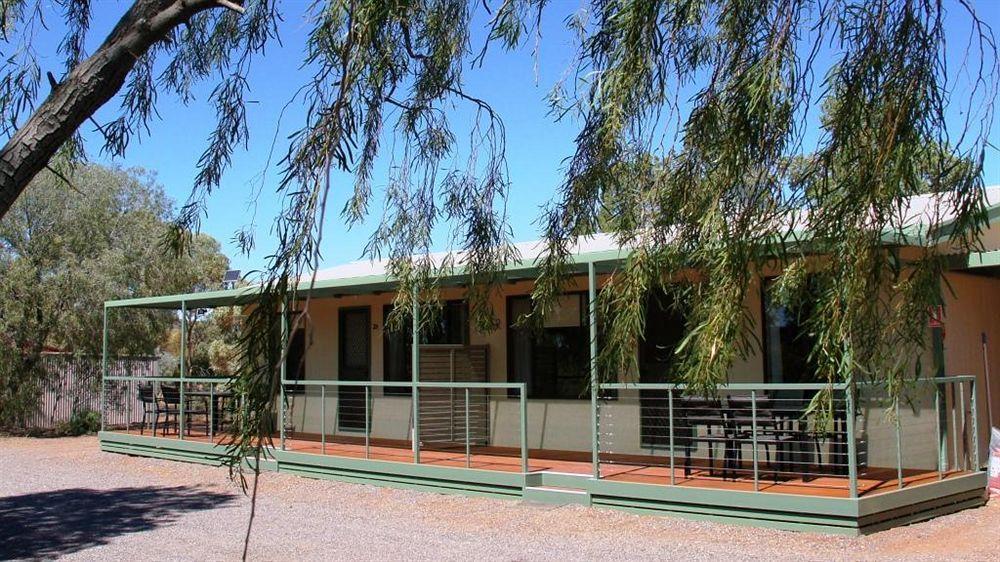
<point x="537" y="146"/>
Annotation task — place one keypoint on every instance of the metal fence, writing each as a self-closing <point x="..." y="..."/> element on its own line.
<point x="73" y="385"/>
<point x="821" y="436"/>
<point x="359" y="417"/>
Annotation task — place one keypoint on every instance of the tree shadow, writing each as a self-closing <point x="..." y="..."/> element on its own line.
<point x="58" y="522"/>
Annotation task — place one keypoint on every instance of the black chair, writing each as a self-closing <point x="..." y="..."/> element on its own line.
<point x="772" y="430"/>
<point x="150" y="407"/>
<point x="171" y="406"/>
<point x="694" y="412"/>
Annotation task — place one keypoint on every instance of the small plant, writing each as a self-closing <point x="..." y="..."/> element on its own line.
<point x="81" y="422"/>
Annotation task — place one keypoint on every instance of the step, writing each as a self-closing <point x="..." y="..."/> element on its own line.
<point x="556" y="496"/>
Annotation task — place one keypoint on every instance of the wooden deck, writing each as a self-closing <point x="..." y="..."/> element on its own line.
<point x="871" y="481"/>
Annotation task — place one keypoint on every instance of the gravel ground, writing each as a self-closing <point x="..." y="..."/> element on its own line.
<point x="64" y="498"/>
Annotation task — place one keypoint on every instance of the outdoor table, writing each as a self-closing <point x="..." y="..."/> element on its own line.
<point x="218" y="399"/>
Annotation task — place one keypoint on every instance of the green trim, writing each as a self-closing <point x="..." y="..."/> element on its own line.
<point x="354" y="285"/>
<point x="761" y="509"/>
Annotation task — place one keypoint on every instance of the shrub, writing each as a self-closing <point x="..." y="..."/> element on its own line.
<point x="81" y="422"/>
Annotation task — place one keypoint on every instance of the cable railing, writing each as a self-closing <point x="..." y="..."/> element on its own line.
<point x="199" y="408"/>
<point x="443" y="423"/>
<point x="786" y="436"/>
<point x="758" y="437"/>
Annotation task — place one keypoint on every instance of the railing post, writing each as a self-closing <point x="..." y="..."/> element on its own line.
<point x="104" y="367"/>
<point x="415" y="364"/>
<point x="594" y="388"/>
<point x="852" y="446"/>
<point x="954" y="427"/>
<point x="211" y="412"/>
<point x="368" y="443"/>
<point x="183" y="369"/>
<point x="753" y="435"/>
<point x="975" y="424"/>
<point x="524" y="429"/>
<point x="937" y="427"/>
<point x="468" y="450"/>
<point x="128" y="406"/>
<point x="283" y="368"/>
<point x="961" y="406"/>
<point x="322" y="422"/>
<point x="670" y="421"/>
<point x="899" y="446"/>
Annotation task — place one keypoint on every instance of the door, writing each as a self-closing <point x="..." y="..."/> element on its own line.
<point x="354" y="365"/>
<point x="664" y="331"/>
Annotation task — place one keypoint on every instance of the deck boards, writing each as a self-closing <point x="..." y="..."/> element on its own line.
<point x="628" y="469"/>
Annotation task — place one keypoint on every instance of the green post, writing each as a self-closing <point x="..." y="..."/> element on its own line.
<point x="368" y="433"/>
<point x="468" y="449"/>
<point x="180" y="425"/>
<point x="524" y="428"/>
<point x="753" y="435"/>
<point x="595" y="424"/>
<point x="975" y="425"/>
<point x="104" y="367"/>
<point x="415" y="364"/>
<point x="899" y="447"/>
<point x="283" y="370"/>
<point x="937" y="427"/>
<point x="965" y="425"/>
<point x="670" y="416"/>
<point x="211" y="413"/>
<point x="852" y="446"/>
<point x="322" y="420"/>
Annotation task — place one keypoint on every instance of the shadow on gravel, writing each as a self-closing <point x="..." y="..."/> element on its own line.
<point x="50" y="524"/>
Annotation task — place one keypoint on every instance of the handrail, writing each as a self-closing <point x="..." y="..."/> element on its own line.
<point x="202" y="380"/>
<point x="774" y="386"/>
<point x="395" y="384"/>
<point x="729" y="386"/>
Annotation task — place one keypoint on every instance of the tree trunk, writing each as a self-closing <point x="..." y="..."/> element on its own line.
<point x="87" y="87"/>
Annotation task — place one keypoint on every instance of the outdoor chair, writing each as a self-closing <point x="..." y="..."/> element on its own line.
<point x="193" y="410"/>
<point x="697" y="412"/>
<point x="772" y="430"/>
<point x="150" y="407"/>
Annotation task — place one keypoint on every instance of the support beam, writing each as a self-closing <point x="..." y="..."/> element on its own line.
<point x="283" y="369"/>
<point x="104" y="368"/>
<point x="184" y="319"/>
<point x="415" y="392"/>
<point x="595" y="426"/>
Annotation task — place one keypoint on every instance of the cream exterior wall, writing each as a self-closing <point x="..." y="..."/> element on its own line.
<point x="552" y="424"/>
<point x="565" y="424"/>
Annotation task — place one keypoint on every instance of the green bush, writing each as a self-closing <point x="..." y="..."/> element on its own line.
<point x="81" y="422"/>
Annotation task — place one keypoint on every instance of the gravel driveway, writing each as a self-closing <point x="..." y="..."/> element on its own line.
<point x="64" y="498"/>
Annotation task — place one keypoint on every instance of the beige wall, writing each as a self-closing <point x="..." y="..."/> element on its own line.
<point x="553" y="424"/>
<point x="972" y="307"/>
<point x="565" y="424"/>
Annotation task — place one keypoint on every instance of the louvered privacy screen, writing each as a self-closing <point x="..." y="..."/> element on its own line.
<point x="444" y="412"/>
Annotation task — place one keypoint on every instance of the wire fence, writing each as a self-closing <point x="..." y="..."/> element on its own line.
<point x="820" y="436"/>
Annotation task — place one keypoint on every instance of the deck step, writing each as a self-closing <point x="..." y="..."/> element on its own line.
<point x="557" y="496"/>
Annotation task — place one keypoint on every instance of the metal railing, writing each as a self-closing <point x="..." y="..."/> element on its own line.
<point x="449" y="416"/>
<point x="168" y="406"/>
<point x="815" y="435"/>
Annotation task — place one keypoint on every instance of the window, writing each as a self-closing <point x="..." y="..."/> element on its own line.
<point x="787" y="344"/>
<point x="553" y="360"/>
<point x="451" y="327"/>
<point x="295" y="360"/>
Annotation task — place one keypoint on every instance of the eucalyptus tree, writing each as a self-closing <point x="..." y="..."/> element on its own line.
<point x="63" y="252"/>
<point x="689" y="112"/>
